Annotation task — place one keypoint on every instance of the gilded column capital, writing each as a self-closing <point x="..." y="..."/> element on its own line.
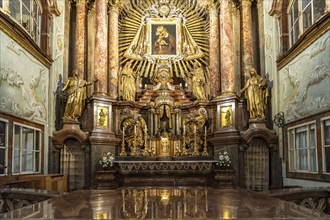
<point x="213" y="5"/>
<point x="236" y="3"/>
<point x="247" y="2"/>
<point x="91" y="6"/>
<point x="113" y="5"/>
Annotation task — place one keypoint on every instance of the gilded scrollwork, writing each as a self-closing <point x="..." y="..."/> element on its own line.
<point x="162" y="32"/>
<point x="134" y="129"/>
<point x="194" y="128"/>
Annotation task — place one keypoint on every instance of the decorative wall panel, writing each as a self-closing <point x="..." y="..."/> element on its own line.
<point x="23" y="82"/>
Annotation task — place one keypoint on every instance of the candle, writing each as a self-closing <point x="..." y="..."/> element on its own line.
<point x="184" y="129"/>
<point x="134" y="129"/>
<point x="195" y="129"/>
<point x="205" y="131"/>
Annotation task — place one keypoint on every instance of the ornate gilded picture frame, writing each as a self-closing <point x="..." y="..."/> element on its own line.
<point x="164" y="37"/>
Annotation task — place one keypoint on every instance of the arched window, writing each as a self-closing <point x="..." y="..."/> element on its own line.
<point x="25" y="12"/>
<point x="302" y="14"/>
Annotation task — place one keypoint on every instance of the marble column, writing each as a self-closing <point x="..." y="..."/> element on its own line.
<point x="101" y="47"/>
<point x="114" y="50"/>
<point x="80" y="37"/>
<point x="227" y="48"/>
<point x="247" y="36"/>
<point x="214" y="50"/>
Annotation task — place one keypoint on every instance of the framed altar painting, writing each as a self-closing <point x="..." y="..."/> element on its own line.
<point x="164" y="37"/>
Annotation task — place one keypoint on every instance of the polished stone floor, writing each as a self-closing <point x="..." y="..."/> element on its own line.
<point x="165" y="203"/>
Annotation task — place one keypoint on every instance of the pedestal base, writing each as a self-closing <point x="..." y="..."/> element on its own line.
<point x="223" y="178"/>
<point x="70" y="130"/>
<point x="105" y="179"/>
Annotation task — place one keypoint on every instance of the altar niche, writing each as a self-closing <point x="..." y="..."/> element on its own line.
<point x="163" y="130"/>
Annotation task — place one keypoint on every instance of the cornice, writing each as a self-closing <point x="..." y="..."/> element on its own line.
<point x="19" y="35"/>
<point x="309" y="37"/>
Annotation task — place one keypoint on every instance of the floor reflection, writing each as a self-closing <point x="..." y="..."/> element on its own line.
<point x="164" y="203"/>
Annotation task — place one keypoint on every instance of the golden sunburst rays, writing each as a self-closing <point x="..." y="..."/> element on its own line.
<point x="197" y="26"/>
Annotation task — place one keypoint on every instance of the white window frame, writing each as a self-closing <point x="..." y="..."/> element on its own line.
<point x="6" y="145"/>
<point x="293" y="149"/>
<point x="300" y="17"/>
<point x="324" y="145"/>
<point x="33" y="21"/>
<point x="21" y="150"/>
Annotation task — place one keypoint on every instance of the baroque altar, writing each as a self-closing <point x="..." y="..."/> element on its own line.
<point x="165" y="109"/>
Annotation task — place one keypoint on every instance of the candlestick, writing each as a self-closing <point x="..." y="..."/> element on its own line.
<point x="134" y="153"/>
<point x="123" y="153"/>
<point x="205" y="153"/>
<point x="195" y="152"/>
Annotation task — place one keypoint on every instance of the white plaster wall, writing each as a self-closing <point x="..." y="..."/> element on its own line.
<point x="23" y="86"/>
<point x="305" y="87"/>
<point x="57" y="51"/>
<point x="301" y="88"/>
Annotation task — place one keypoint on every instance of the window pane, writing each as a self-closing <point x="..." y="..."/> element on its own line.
<point x="26" y="19"/>
<point x="313" y="160"/>
<point x="307" y="17"/>
<point x="2" y="159"/>
<point x="2" y="133"/>
<point x="326" y="127"/>
<point x="26" y="3"/>
<point x="17" y="132"/>
<point x="304" y="3"/>
<point x="37" y="168"/>
<point x="312" y="137"/>
<point x="14" y="7"/>
<point x="28" y="139"/>
<point x="327" y="159"/>
<point x="302" y="158"/>
<point x="1" y="4"/>
<point x="27" y="160"/>
<point x="16" y="161"/>
<point x="319" y="8"/>
<point x="37" y="145"/>
<point x="295" y="10"/>
<point x="301" y="140"/>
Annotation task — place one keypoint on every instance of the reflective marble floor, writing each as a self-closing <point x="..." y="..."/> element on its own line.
<point x="165" y="203"/>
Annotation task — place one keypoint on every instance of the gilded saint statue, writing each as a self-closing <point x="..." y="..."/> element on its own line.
<point x="256" y="95"/>
<point x="76" y="96"/>
<point x="198" y="82"/>
<point x="127" y="83"/>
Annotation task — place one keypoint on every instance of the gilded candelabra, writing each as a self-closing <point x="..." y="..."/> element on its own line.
<point x="146" y="147"/>
<point x="123" y="152"/>
<point x="134" y="153"/>
<point x="184" y="150"/>
<point x="195" y="152"/>
<point x="205" y="153"/>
